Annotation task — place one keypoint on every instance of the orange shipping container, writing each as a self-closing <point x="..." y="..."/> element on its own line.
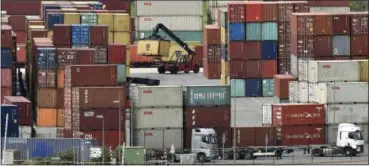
<point x="46" y="117"/>
<point x="137" y="59"/>
<point x="61" y="77"/>
<point x="47" y="97"/>
<point x="60" y="118"/>
<point x="21" y="53"/>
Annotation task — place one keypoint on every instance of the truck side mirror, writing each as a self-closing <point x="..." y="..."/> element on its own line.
<point x="204" y="139"/>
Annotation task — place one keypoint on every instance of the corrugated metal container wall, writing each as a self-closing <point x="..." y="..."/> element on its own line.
<point x="364" y="70"/>
<point x="324" y="71"/>
<point x="211" y="34"/>
<point x="270" y="12"/>
<point x="46" y="78"/>
<point x="183" y="35"/>
<point x="6" y="78"/>
<point x="72" y="18"/>
<point x="303" y="92"/>
<point x="254" y="12"/>
<point x="18" y="22"/>
<point x="89" y="18"/>
<point x="85" y="55"/>
<point x="323" y="24"/>
<point x="46" y="117"/>
<point x="111" y="137"/>
<point x="6" y="57"/>
<point x="238" y="88"/>
<point x="236" y="12"/>
<point x="346" y="113"/>
<point x="359" y="24"/>
<point x="117" y="5"/>
<point x="54" y="18"/>
<point x="341" y="45"/>
<point x="122" y="38"/>
<point x="211" y="69"/>
<point x="13" y="125"/>
<point x="253" y="69"/>
<point x="85" y="75"/>
<point x="24" y="108"/>
<point x="169" y="8"/>
<point x="46" y="58"/>
<point x="174" y="23"/>
<point x="281" y="85"/>
<point x="323" y="46"/>
<point x="253" y="31"/>
<point x="208" y="95"/>
<point x="300" y="135"/>
<point x="268" y="88"/>
<point x="100" y="53"/>
<point x="6" y="36"/>
<point x="89" y="122"/>
<point x="98" y="97"/>
<point x="158" y="118"/>
<point x="25" y="131"/>
<point x="21" y="53"/>
<point x="342" y="92"/>
<point x="21" y="37"/>
<point x="62" y="34"/>
<point x="223" y="18"/>
<point x="60" y="118"/>
<point x="237" y="50"/>
<point x="5" y="92"/>
<point x="66" y="56"/>
<point x="199" y="116"/>
<point x="268" y="68"/>
<point x="122" y="22"/>
<point x="159" y="139"/>
<point x="105" y="19"/>
<point x="80" y="35"/>
<point x="293" y="91"/>
<point x="359" y="45"/>
<point x="341" y="25"/>
<point x="253" y="88"/>
<point x="149" y="96"/>
<point x="237" y="69"/>
<point x="255" y="136"/>
<point x="21" y="8"/>
<point x="269" y="31"/>
<point x="99" y="35"/>
<point x="46" y="97"/>
<point x="237" y="31"/>
<point x="267" y="114"/>
<point x="303" y="72"/>
<point x="269" y="50"/>
<point x="298" y="114"/>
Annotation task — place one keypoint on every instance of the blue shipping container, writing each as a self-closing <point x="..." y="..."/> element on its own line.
<point x="224" y="51"/>
<point x="6" y="58"/>
<point x="80" y="35"/>
<point x="53" y="18"/>
<point x="13" y="125"/>
<point x="238" y="88"/>
<point x="269" y="31"/>
<point x="269" y="50"/>
<point x="253" y="31"/>
<point x="341" y="45"/>
<point x="253" y="88"/>
<point x="46" y="58"/>
<point x="49" y="6"/>
<point x="236" y="31"/>
<point x="38" y="147"/>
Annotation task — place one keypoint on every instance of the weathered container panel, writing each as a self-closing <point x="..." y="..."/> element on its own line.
<point x="270" y="12"/>
<point x="346" y="113"/>
<point x="46" y="58"/>
<point x="359" y="24"/>
<point x="253" y="88"/>
<point x="364" y="70"/>
<point x="117" y="54"/>
<point x="6" y="58"/>
<point x="253" y="32"/>
<point x="46" y="78"/>
<point x="238" y="87"/>
<point x="269" y="50"/>
<point x="323" y="24"/>
<point x="269" y="31"/>
<point x="341" y="25"/>
<point x="300" y="135"/>
<point x="99" y="35"/>
<point x="267" y="87"/>
<point x="24" y="108"/>
<point x="359" y="45"/>
<point x="303" y="92"/>
<point x="253" y="69"/>
<point x="94" y="75"/>
<point x="267" y="114"/>
<point x="13" y="125"/>
<point x="342" y="92"/>
<point x="88" y="120"/>
<point x="323" y="46"/>
<point x="298" y="114"/>
<point x="236" y="12"/>
<point x="237" y="69"/>
<point x="175" y="23"/>
<point x="159" y="139"/>
<point x="6" y="77"/>
<point x="199" y="116"/>
<point x="98" y="97"/>
<point x="281" y="83"/>
<point x="47" y="97"/>
<point x="207" y="95"/>
<point x="325" y="71"/>
<point x="211" y="34"/>
<point x="169" y="8"/>
<point x="148" y="96"/>
<point x="158" y="118"/>
<point x="46" y="117"/>
<point x="237" y="31"/>
<point x="255" y="136"/>
<point x="341" y="45"/>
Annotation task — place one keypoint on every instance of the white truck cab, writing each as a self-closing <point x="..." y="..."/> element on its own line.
<point x="350" y="136"/>
<point x="204" y="143"/>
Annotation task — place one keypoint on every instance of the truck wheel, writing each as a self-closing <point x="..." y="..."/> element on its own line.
<point x="173" y="70"/>
<point x="161" y="69"/>
<point x="226" y="156"/>
<point x="317" y="152"/>
<point x="196" y="69"/>
<point x="249" y="156"/>
<point x="237" y="156"/>
<point x="349" y="152"/>
<point x="201" y="157"/>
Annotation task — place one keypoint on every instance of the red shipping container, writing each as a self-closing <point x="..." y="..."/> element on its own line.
<point x="88" y="120"/>
<point x="98" y="97"/>
<point x="252" y="50"/>
<point x="212" y="52"/>
<point x="21" y="53"/>
<point x="64" y="133"/>
<point x="237" y="69"/>
<point x="341" y="24"/>
<point x="359" y="23"/>
<point x="255" y="136"/>
<point x="138" y="59"/>
<point x="300" y="135"/>
<point x="66" y="56"/>
<point x="117" y="54"/>
<point x="62" y="34"/>
<point x="269" y="68"/>
<point x="85" y="56"/>
<point x="116" y="5"/>
<point x="281" y="85"/>
<point x="5" y="91"/>
<point x="60" y="98"/>
<point x="94" y="75"/>
<point x="199" y="116"/>
<point x="46" y="78"/>
<point x="303" y="24"/>
<point x="99" y="35"/>
<point x="298" y="114"/>
<point x="227" y="131"/>
<point x="237" y="50"/>
<point x="253" y="69"/>
<point x="302" y="46"/>
<point x="323" y="46"/>
<point x="18" y="22"/>
<point x="38" y="33"/>
<point x="6" y="36"/>
<point x="21" y="37"/>
<point x="199" y="54"/>
<point x="25" y="108"/>
<point x="212" y="34"/>
<point x="254" y="12"/>
<point x="359" y="45"/>
<point x="211" y="69"/>
<point x="21" y="7"/>
<point x="359" y="57"/>
<point x="329" y="3"/>
<point x="6" y="77"/>
<point x="301" y="7"/>
<point x="270" y="12"/>
<point x="323" y="24"/>
<point x="111" y="137"/>
<point x="236" y="12"/>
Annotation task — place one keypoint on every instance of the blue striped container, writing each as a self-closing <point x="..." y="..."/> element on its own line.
<point x="341" y="45"/>
<point x="236" y="32"/>
<point x="54" y="18"/>
<point x="253" y="88"/>
<point x="6" y="58"/>
<point x="253" y="31"/>
<point x="80" y="35"/>
<point x="269" y="31"/>
<point x="238" y="88"/>
<point x="13" y="125"/>
<point x="49" y="6"/>
<point x="46" y="58"/>
<point x="268" y="87"/>
<point x="269" y="50"/>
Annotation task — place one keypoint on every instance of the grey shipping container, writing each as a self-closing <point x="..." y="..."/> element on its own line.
<point x="159" y="139"/>
<point x="46" y="132"/>
<point x="341" y="45"/>
<point x="38" y="147"/>
<point x="208" y="95"/>
<point x="157" y="96"/>
<point x="158" y="117"/>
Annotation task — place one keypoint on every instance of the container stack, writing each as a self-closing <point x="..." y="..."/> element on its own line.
<point x="6" y="61"/>
<point x="13" y="125"/>
<point x="211" y="47"/>
<point x="18" y="23"/>
<point x="223" y="23"/>
<point x="158" y="117"/>
<point x="281" y="90"/>
<point x="25" y="116"/>
<point x="255" y="136"/>
<point x="208" y="107"/>
<point x="330" y="6"/>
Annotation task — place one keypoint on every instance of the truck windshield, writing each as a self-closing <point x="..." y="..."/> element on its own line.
<point x="358" y="135"/>
<point x="212" y="139"/>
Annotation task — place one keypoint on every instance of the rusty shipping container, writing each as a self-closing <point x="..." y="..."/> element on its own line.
<point x="47" y="97"/>
<point x="94" y="75"/>
<point x="117" y="54"/>
<point x="359" y="45"/>
<point x="212" y="34"/>
<point x="302" y="24"/>
<point x="21" y="53"/>
<point x="66" y="56"/>
<point x="254" y="12"/>
<point x="21" y="37"/>
<point x="253" y="69"/>
<point x="98" y="97"/>
<point x="100" y="53"/>
<point x="212" y="52"/>
<point x="226" y="131"/>
<point x="211" y="69"/>
<point x="236" y="12"/>
<point x="60" y="98"/>
<point x="85" y="56"/>
<point x="24" y="107"/>
<point x="297" y="114"/>
<point x="46" y="78"/>
<point x="250" y="50"/>
<point x="237" y="69"/>
<point x="300" y="135"/>
<point x="61" y="79"/>
<point x="359" y="23"/>
<point x="255" y="136"/>
<point x="270" y="12"/>
<point x="62" y="34"/>
<point x="6" y="36"/>
<point x="341" y="24"/>
<point x="200" y="116"/>
<point x="111" y="137"/>
<point x="99" y="35"/>
<point x="237" y="50"/>
<point x="18" y="22"/>
<point x="5" y="91"/>
<point x="269" y="68"/>
<point x="88" y="120"/>
<point x="21" y="7"/>
<point x="329" y="3"/>
<point x="6" y="77"/>
<point x="302" y="46"/>
<point x="323" y="46"/>
<point x="46" y="117"/>
<point x="323" y="24"/>
<point x="281" y="89"/>
<point x="284" y="10"/>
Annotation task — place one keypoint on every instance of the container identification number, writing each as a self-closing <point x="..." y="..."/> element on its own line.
<point x="208" y="95"/>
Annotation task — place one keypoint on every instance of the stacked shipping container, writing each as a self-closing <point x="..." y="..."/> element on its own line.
<point x="211" y="48"/>
<point x="223" y="23"/>
<point x="281" y="90"/>
<point x="12" y="112"/>
<point x="6" y="61"/>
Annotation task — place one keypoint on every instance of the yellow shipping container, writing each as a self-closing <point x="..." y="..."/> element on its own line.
<point x="122" y="38"/>
<point x="153" y="47"/>
<point x="72" y="18"/>
<point x="106" y="19"/>
<point x="224" y="67"/>
<point x="175" y="48"/>
<point x="46" y="117"/>
<point x="223" y="35"/>
<point x="128" y="62"/>
<point x="122" y="22"/>
<point x="189" y="43"/>
<point x="363" y="70"/>
<point x="111" y="37"/>
<point x="50" y="34"/>
<point x="224" y="79"/>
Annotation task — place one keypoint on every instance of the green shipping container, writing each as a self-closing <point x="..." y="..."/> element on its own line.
<point x="208" y="95"/>
<point x="121" y="70"/>
<point x="253" y="31"/>
<point x="183" y="35"/>
<point x="134" y="155"/>
<point x="89" y="18"/>
<point x="238" y="88"/>
<point x="269" y="31"/>
<point x="268" y="87"/>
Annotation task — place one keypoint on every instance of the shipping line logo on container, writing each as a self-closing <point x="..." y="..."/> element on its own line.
<point x="208" y="95"/>
<point x="147" y="112"/>
<point x="147" y="4"/>
<point x="304" y="115"/>
<point x="147" y="19"/>
<point x="148" y="133"/>
<point x="147" y="91"/>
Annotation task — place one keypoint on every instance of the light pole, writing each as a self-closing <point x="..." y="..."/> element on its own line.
<point x="103" y="136"/>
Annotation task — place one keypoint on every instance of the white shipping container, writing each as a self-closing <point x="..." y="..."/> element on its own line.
<point x="158" y="96"/>
<point x="214" y="12"/>
<point x="293" y="90"/>
<point x="303" y="92"/>
<point x="342" y="92"/>
<point x="332" y="9"/>
<point x="169" y="8"/>
<point x="303" y="70"/>
<point x="159" y="138"/>
<point x="331" y="133"/>
<point x="312" y="92"/>
<point x="174" y="23"/>
<point x="294" y="64"/>
<point x="25" y="131"/>
<point x="326" y="71"/>
<point x="346" y="113"/>
<point x="267" y="114"/>
<point x="46" y="132"/>
<point x="158" y="118"/>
